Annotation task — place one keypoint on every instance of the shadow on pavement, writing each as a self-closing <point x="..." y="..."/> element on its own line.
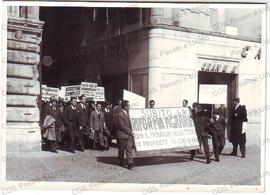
<point x="143" y="161"/>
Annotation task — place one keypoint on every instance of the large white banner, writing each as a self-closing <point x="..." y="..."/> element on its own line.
<point x="47" y="92"/>
<point x="135" y="100"/>
<point x="212" y="94"/>
<point x="163" y="129"/>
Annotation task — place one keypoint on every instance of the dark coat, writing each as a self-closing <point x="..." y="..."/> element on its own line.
<point x="97" y="121"/>
<point x="109" y="120"/>
<point x="222" y="112"/>
<point x="238" y="116"/>
<point x="72" y="120"/>
<point x="84" y="115"/>
<point x="55" y="113"/>
<point x="218" y="125"/>
<point x="201" y="123"/>
<point x="124" y="129"/>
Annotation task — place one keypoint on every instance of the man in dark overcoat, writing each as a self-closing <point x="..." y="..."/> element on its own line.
<point x="72" y="121"/>
<point x="52" y="110"/>
<point x="109" y="120"/>
<point x="217" y="126"/>
<point x="238" y="122"/>
<point x="84" y="126"/>
<point x="201" y="125"/>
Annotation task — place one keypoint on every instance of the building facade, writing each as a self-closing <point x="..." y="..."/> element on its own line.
<point x="160" y="53"/>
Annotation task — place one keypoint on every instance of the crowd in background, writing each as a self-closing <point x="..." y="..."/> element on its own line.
<point x="78" y="124"/>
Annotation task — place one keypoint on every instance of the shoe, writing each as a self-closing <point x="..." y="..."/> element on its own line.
<point x="243" y="156"/>
<point x="130" y="166"/>
<point x="217" y="159"/>
<point x="71" y="150"/>
<point x="208" y="161"/>
<point x="233" y="154"/>
<point x="53" y="150"/>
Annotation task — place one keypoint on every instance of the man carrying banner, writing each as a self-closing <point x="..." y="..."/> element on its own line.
<point x="124" y="135"/>
<point x="238" y="128"/>
<point x="152" y="104"/>
<point x="217" y="126"/>
<point x="201" y="124"/>
<point x="193" y="113"/>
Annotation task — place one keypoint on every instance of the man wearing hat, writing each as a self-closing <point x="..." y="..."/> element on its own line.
<point x="238" y="128"/>
<point x="217" y="126"/>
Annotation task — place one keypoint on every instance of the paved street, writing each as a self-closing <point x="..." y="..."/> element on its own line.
<point x="175" y="167"/>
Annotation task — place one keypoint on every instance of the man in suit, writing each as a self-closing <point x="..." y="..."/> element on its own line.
<point x="201" y="125"/>
<point x="72" y="121"/>
<point x="117" y="108"/>
<point x="52" y="110"/>
<point x="83" y="109"/>
<point x="193" y="114"/>
<point x="237" y="134"/>
<point x="124" y="135"/>
<point x="217" y="126"/>
<point x="97" y="124"/>
<point x="109" y="120"/>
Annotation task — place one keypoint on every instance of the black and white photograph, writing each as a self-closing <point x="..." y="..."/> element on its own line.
<point x="134" y="96"/>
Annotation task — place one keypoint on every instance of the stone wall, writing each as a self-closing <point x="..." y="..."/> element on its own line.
<point x="23" y="81"/>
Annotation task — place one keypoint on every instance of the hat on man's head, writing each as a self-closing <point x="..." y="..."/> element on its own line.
<point x="236" y="99"/>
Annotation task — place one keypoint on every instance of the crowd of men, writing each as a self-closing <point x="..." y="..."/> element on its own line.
<point x="80" y="125"/>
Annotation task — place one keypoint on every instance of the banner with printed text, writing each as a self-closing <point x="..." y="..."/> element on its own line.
<point x="47" y="92"/>
<point x="72" y="91"/>
<point x="88" y="89"/>
<point x="99" y="94"/>
<point x="163" y="129"/>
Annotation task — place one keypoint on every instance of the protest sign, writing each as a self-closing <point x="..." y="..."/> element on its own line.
<point x="88" y="89"/>
<point x="135" y="100"/>
<point x="72" y="91"/>
<point x="99" y="94"/>
<point x="163" y="129"/>
<point x="212" y="94"/>
<point x="47" y="92"/>
<point x="61" y="93"/>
